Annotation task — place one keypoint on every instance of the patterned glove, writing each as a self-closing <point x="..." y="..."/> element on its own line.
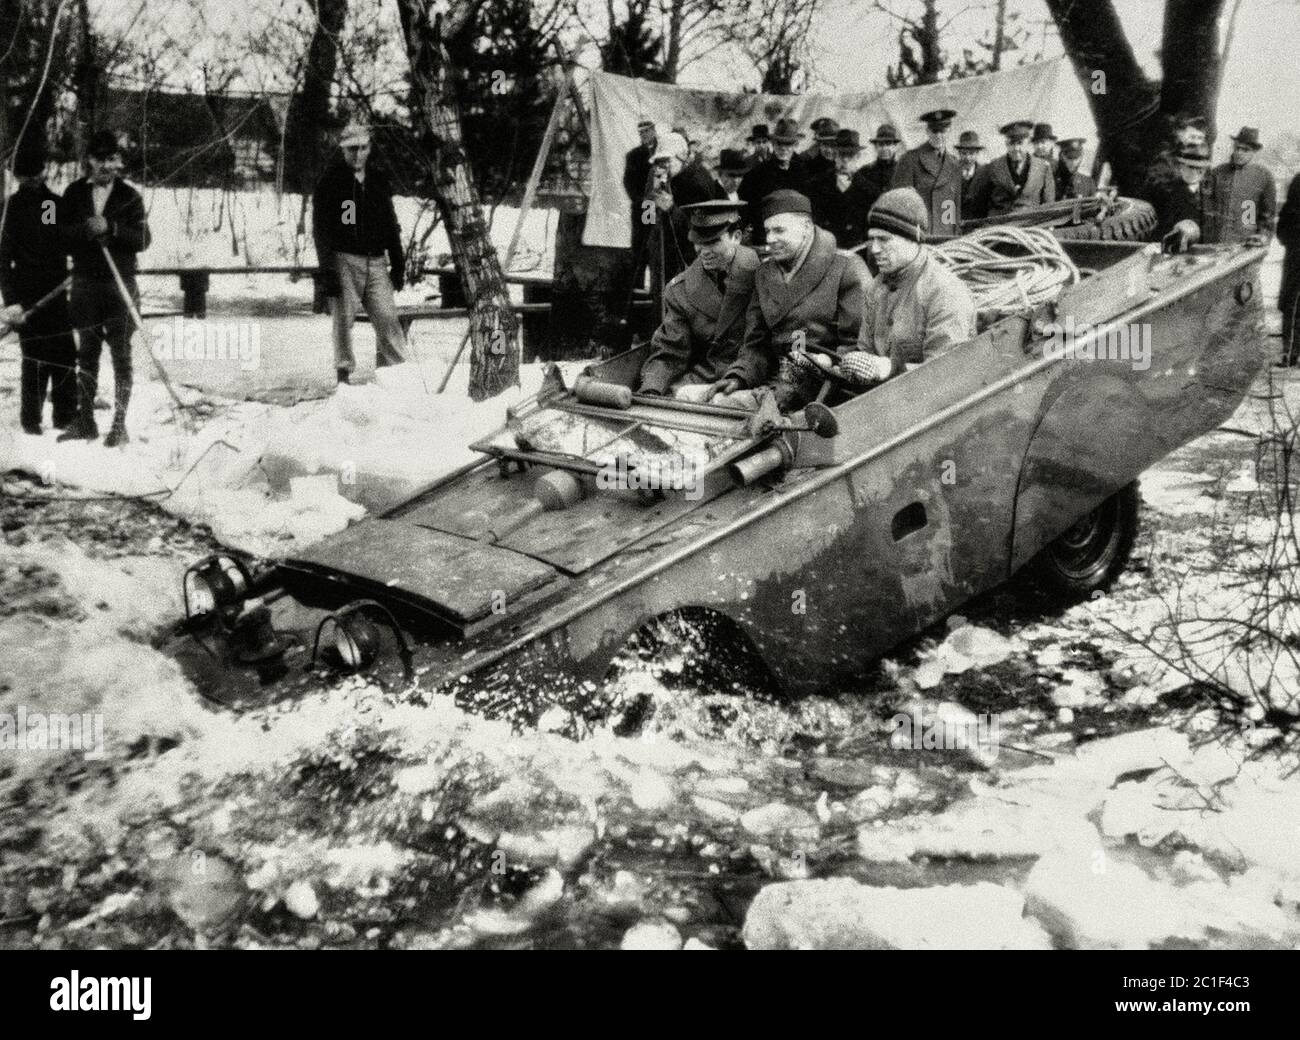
<point x="864" y="367"/>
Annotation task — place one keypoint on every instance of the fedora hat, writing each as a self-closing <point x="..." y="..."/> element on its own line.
<point x="1043" y="132"/>
<point x="759" y="132"/>
<point x="786" y="132"/>
<point x="847" y="141"/>
<point x="1193" y="155"/>
<point x="1248" y="136"/>
<point x="969" y="141"/>
<point x="886" y="134"/>
<point x="732" y="160"/>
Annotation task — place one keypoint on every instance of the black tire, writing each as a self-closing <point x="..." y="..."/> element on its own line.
<point x="1093" y="552"/>
<point x="1130" y="220"/>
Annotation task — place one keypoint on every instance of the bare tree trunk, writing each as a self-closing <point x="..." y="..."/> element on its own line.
<point x="1190" y="58"/>
<point x="999" y="34"/>
<point x="673" y="45"/>
<point x="1125" y="104"/>
<point x="494" y="360"/>
<point x="309" y="108"/>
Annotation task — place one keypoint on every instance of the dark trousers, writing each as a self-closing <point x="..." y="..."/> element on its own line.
<point x="49" y="364"/>
<point x="100" y="316"/>
<point x="1288" y="302"/>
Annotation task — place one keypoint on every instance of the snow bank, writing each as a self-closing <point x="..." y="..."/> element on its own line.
<point x="238" y="466"/>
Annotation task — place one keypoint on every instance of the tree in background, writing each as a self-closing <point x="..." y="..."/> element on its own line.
<point x="36" y="36"/>
<point x="774" y="35"/>
<point x="1131" y="110"/>
<point x="494" y="359"/>
<point x="308" y="122"/>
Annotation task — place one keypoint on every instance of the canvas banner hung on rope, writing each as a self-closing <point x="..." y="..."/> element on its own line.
<point x="1046" y="92"/>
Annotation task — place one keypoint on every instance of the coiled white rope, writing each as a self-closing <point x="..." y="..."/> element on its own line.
<point x="1009" y="269"/>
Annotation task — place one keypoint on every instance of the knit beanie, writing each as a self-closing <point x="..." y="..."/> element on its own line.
<point x="901" y="211"/>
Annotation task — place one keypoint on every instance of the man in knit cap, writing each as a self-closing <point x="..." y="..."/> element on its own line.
<point x="916" y="308"/>
<point x="807" y="294"/>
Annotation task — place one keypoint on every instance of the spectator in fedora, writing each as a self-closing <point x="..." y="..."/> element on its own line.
<point x="1243" y="195"/>
<point x="760" y="143"/>
<point x="968" y="151"/>
<point x="782" y="170"/>
<point x="102" y="211"/>
<point x="732" y="167"/>
<point x="354" y="226"/>
<point x="32" y="264"/>
<point x="1188" y="131"/>
<point x="875" y="178"/>
<point x="934" y="171"/>
<point x="1071" y="181"/>
<point x="814" y="150"/>
<point x="839" y="196"/>
<point x="636" y="182"/>
<point x="1044" y="143"/>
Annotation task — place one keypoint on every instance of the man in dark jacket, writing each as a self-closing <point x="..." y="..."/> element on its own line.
<point x="840" y="197"/>
<point x="636" y="181"/>
<point x="781" y="170"/>
<point x="1244" y="194"/>
<point x="1182" y="204"/>
<point x="704" y="307"/>
<point x="676" y="182"/>
<point x="1016" y="181"/>
<point x="807" y="294"/>
<point x="968" y="150"/>
<point x="98" y="212"/>
<point x="32" y="264"/>
<point x="354" y="225"/>
<point x="873" y="180"/>
<point x="1071" y="181"/>
<point x="934" y="170"/>
<point x="1288" y="297"/>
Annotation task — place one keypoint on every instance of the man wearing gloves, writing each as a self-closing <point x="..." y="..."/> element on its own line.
<point x="807" y="294"/>
<point x="916" y="308"/>
<point x="354" y="226"/>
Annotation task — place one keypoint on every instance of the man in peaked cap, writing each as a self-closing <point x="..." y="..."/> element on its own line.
<point x="783" y="169"/>
<point x="1018" y="180"/>
<point x="1071" y="181"/>
<point x="1243" y="195"/>
<point x="807" y="294"/>
<point x="704" y="307"/>
<point x="916" y="308"/>
<point x="1044" y="143"/>
<point x="968" y="151"/>
<point x="934" y="170"/>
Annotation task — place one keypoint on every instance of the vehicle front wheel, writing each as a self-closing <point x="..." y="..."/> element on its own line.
<point x="1091" y="554"/>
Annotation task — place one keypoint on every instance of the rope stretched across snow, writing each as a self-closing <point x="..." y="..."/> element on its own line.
<point x="1009" y="269"/>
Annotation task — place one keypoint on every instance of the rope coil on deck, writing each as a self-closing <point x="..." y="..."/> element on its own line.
<point x="1007" y="269"/>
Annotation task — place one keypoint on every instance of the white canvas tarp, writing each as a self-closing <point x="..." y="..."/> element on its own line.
<point x="1047" y="92"/>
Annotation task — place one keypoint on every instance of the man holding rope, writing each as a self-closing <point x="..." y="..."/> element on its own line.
<point x="103" y="224"/>
<point x="33" y="277"/>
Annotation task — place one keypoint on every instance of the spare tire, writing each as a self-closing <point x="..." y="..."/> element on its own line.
<point x="1129" y="220"/>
